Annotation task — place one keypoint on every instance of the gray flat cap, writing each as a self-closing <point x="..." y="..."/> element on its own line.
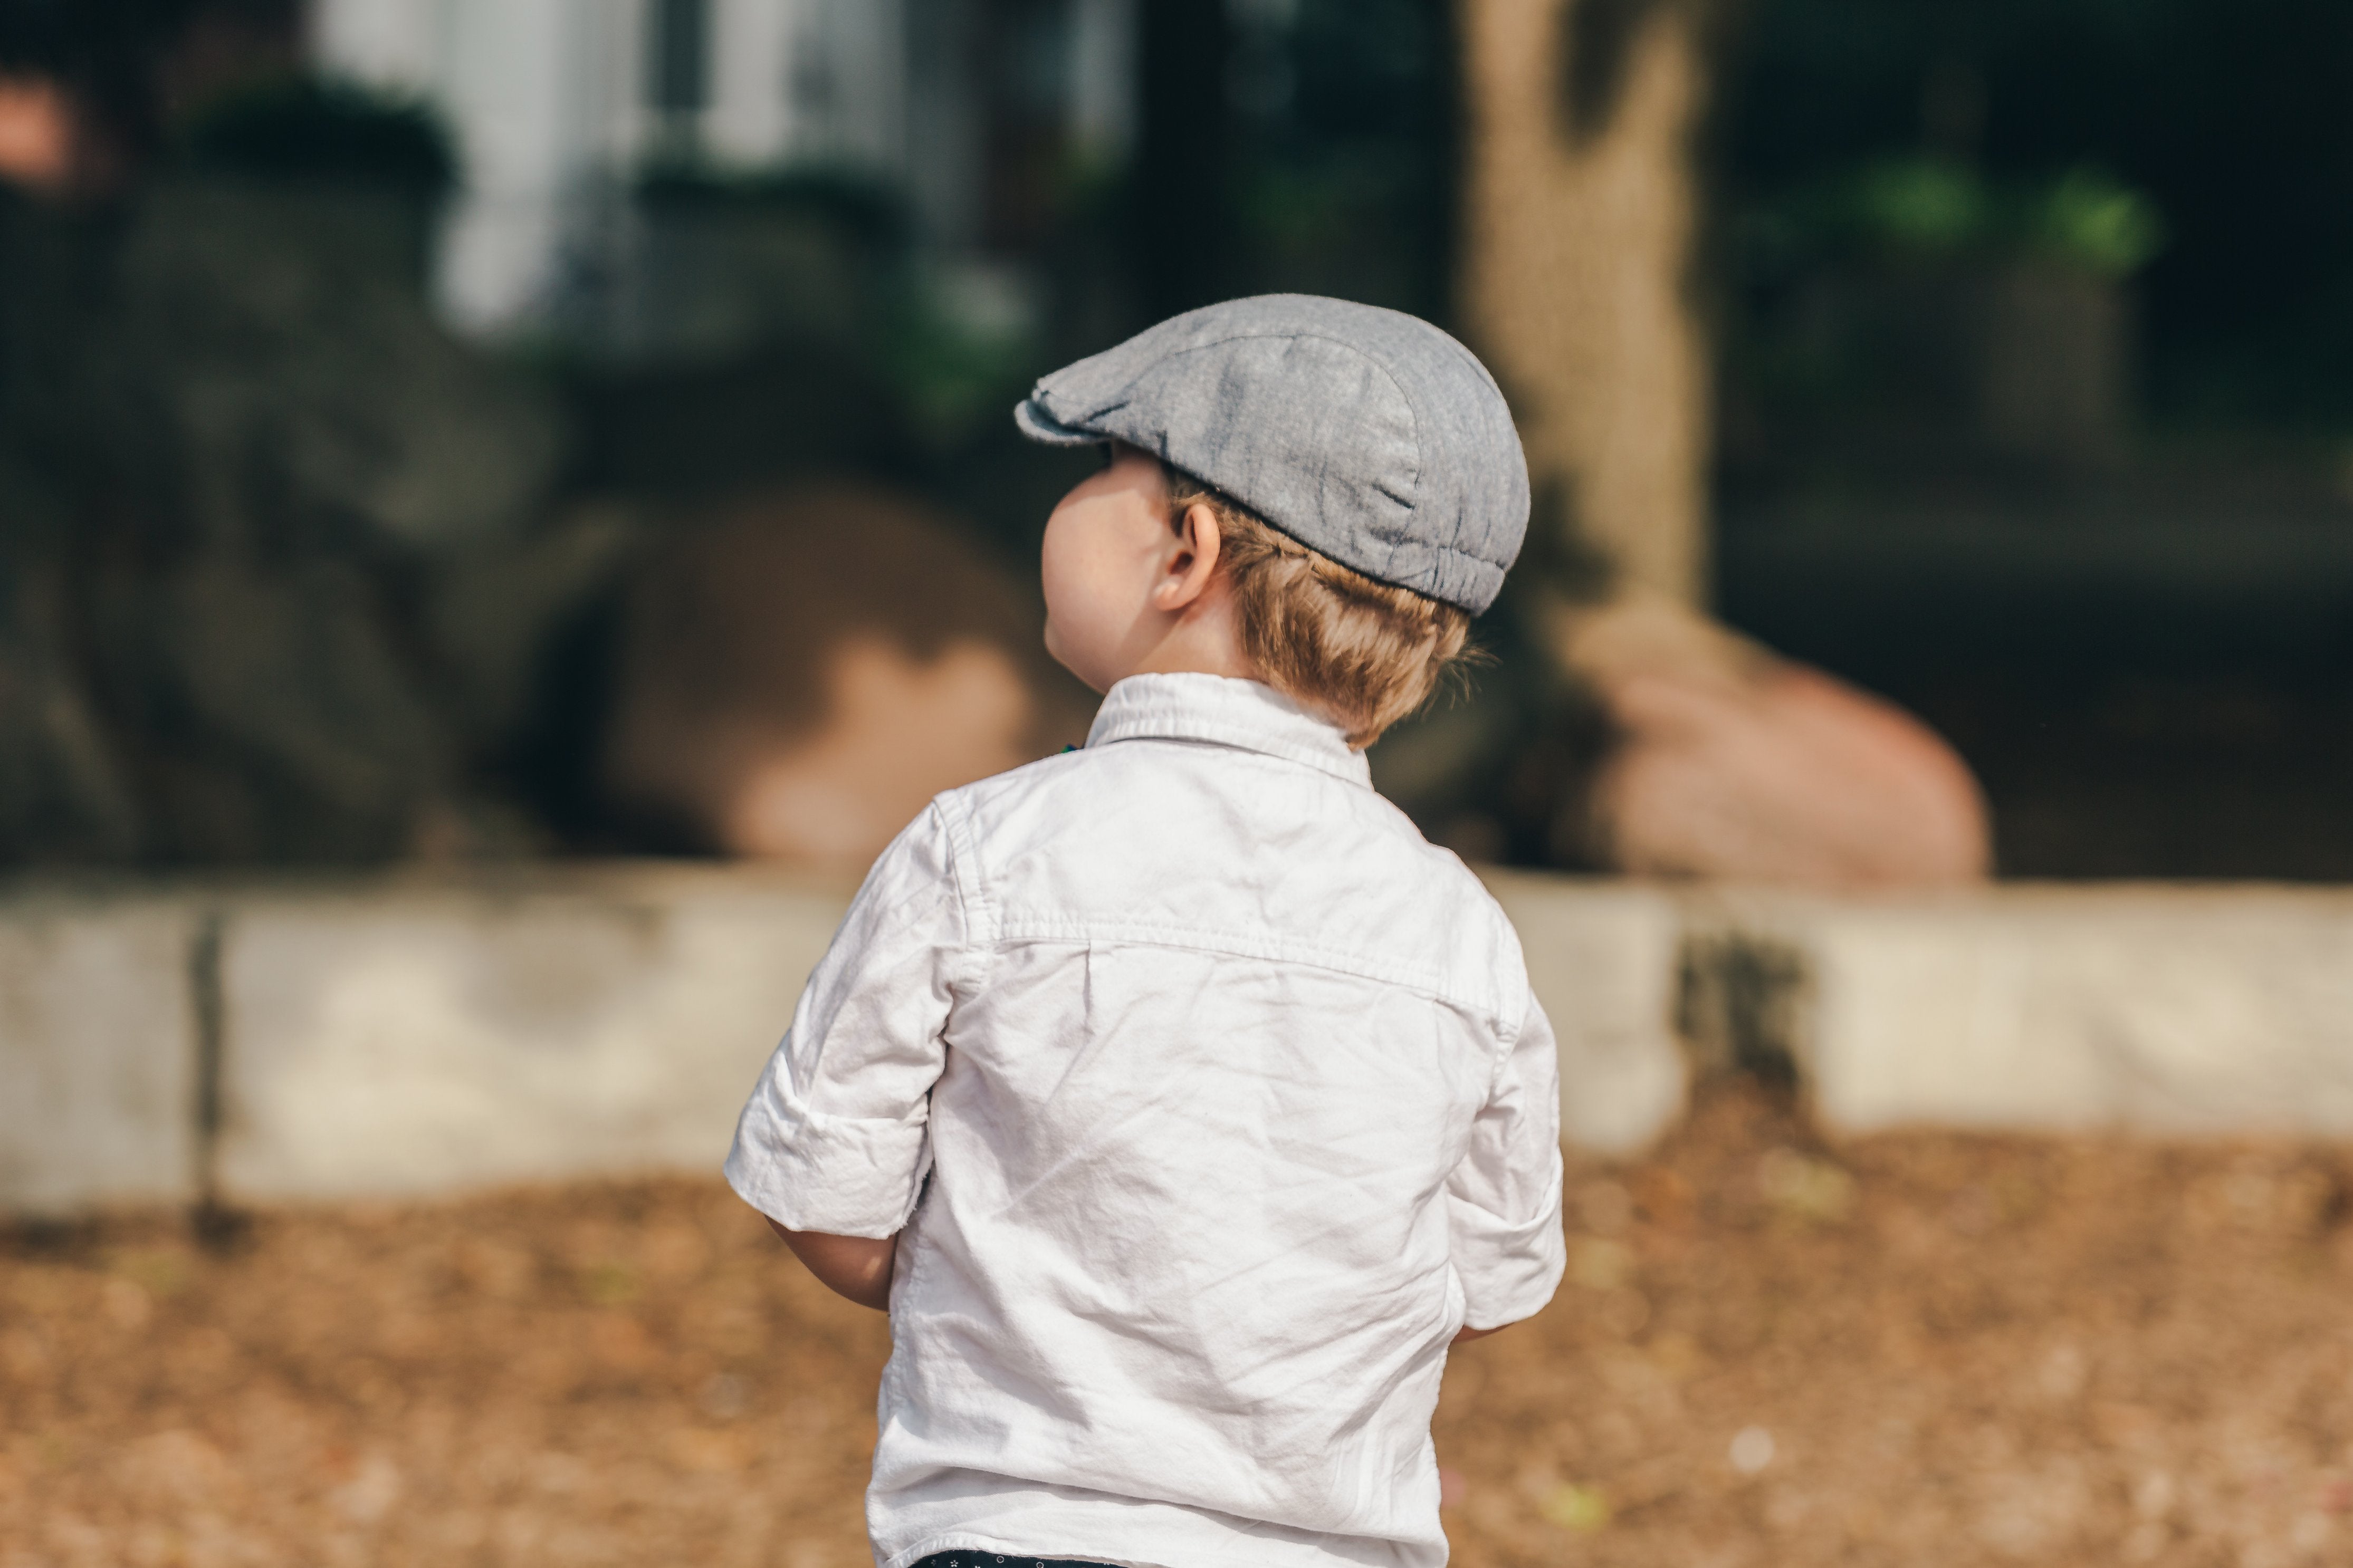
<point x="1367" y="433"/>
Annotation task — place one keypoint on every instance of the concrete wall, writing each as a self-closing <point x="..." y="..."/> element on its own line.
<point x="2167" y="1009"/>
<point x="98" y="1051"/>
<point x="455" y="1039"/>
<point x="254" y="1044"/>
<point x="1604" y="960"/>
<point x="249" y="1043"/>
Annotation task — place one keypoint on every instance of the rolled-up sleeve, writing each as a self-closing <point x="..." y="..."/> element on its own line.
<point x="1504" y="1200"/>
<point x="834" y="1137"/>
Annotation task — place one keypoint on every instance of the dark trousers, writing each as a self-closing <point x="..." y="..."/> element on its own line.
<point x="997" y="1560"/>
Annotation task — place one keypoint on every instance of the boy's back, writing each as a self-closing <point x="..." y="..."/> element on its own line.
<point x="1239" y="1106"/>
<point x="1181" y="1103"/>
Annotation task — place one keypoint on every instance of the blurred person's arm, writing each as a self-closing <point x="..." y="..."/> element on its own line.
<point x="855" y="1267"/>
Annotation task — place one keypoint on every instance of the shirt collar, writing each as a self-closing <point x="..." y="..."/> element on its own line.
<point x="1226" y="712"/>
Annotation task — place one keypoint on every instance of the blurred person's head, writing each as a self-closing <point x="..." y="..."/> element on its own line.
<point x="1301" y="491"/>
<point x="87" y="87"/>
<point x="39" y="141"/>
<point x="77" y="97"/>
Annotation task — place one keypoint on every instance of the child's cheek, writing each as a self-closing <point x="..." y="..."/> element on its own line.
<point x="1071" y="612"/>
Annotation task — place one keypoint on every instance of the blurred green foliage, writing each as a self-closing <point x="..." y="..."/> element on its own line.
<point x="2096" y="222"/>
<point x="1929" y="208"/>
<point x="861" y="207"/>
<point x="955" y="369"/>
<point x="838" y="264"/>
<point x="1328" y="167"/>
<point x="1924" y="204"/>
<point x="324" y="129"/>
<point x="2227" y="117"/>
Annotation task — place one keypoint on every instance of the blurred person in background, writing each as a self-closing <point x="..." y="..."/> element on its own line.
<point x="244" y="467"/>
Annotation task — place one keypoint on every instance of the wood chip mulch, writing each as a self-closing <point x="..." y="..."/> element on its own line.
<point x="1921" y="1350"/>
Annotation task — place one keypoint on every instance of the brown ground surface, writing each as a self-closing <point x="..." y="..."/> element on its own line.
<point x="1917" y="1350"/>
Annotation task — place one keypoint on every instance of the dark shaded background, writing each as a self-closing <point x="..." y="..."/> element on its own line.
<point x="2145" y="655"/>
<point x="2138" y="638"/>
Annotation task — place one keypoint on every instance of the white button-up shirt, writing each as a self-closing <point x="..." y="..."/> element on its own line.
<point x="1208" y="1101"/>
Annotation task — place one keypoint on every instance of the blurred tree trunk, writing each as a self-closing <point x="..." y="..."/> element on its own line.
<point x="1580" y="226"/>
<point x="1721" y="759"/>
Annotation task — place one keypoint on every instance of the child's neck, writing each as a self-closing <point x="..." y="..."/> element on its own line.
<point x="1205" y="639"/>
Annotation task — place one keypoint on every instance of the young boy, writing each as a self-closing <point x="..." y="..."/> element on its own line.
<point x="1177" y="1100"/>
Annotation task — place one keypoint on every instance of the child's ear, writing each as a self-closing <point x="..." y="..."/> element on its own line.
<point x="1199" y="545"/>
<point x="1202" y="535"/>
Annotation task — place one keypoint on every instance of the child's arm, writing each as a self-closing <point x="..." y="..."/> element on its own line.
<point x="833" y="1145"/>
<point x="1503" y="1199"/>
<point x="855" y="1267"/>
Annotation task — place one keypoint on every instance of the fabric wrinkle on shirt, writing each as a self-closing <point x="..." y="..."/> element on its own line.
<point x="1209" y="1101"/>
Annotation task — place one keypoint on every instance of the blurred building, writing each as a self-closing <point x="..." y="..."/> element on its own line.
<point x="563" y="107"/>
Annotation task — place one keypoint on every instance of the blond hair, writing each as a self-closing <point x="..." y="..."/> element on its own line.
<point x="1366" y="654"/>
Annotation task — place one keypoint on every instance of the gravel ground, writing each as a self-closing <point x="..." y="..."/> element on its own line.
<point x="1925" y="1351"/>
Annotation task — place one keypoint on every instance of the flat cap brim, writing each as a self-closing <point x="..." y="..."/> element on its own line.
<point x="1043" y="427"/>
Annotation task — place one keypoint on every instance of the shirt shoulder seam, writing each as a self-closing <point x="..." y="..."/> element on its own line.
<point x="966" y="871"/>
